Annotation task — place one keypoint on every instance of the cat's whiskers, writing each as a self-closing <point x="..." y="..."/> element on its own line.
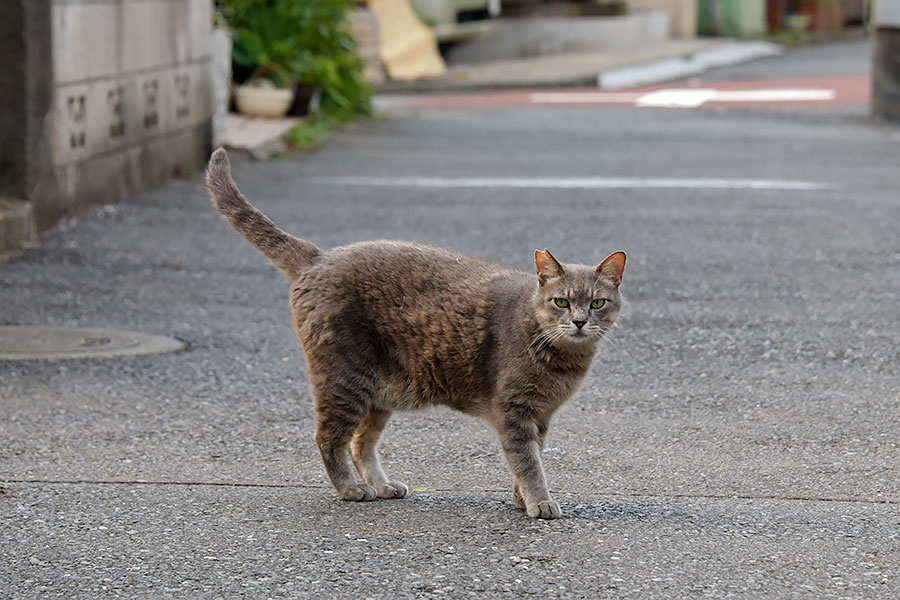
<point x="539" y="338"/>
<point x="560" y="332"/>
<point x="548" y="336"/>
<point x="556" y="333"/>
<point x="612" y="342"/>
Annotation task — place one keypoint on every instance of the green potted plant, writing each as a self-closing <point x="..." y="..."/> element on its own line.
<point x="324" y="29"/>
<point x="264" y="47"/>
<point x="299" y="45"/>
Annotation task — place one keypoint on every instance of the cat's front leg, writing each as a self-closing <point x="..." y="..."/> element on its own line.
<point x="518" y="499"/>
<point x="522" y="437"/>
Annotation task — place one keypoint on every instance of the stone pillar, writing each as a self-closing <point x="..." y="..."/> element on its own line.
<point x="101" y="98"/>
<point x="886" y="60"/>
<point x="25" y="97"/>
<point x="220" y="67"/>
<point x="26" y="86"/>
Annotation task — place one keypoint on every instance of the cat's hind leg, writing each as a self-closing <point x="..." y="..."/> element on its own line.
<point x="364" y="451"/>
<point x="341" y="358"/>
<point x="338" y="418"/>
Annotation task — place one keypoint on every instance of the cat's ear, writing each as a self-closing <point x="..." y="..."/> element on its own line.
<point x="547" y="266"/>
<point x="612" y="267"/>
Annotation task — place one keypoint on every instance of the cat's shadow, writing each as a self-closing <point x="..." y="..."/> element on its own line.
<point x="488" y="509"/>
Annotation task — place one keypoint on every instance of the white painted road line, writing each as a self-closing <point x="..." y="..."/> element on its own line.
<point x="578" y="183"/>
<point x="684" y="97"/>
<point x="584" y="97"/>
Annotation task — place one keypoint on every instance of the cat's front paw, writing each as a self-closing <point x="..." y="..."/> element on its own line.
<point x="392" y="489"/>
<point x="361" y="492"/>
<point x="546" y="509"/>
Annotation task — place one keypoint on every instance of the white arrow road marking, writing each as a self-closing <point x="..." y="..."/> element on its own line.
<point x="684" y="97"/>
<point x="578" y="183"/>
<point x="690" y="98"/>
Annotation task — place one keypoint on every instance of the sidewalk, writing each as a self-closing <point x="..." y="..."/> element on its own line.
<point x="650" y="63"/>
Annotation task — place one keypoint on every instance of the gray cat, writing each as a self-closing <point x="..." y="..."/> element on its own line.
<point x="396" y="326"/>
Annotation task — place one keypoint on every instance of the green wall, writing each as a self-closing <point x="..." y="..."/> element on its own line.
<point x="732" y="18"/>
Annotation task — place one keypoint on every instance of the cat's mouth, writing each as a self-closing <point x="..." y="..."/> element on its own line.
<point x="580" y="335"/>
<point x="563" y="336"/>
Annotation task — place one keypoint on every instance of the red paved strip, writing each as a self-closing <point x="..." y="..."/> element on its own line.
<point x="470" y="99"/>
<point x="850" y="90"/>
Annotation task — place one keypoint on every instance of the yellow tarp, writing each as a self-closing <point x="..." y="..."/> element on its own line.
<point x="408" y="47"/>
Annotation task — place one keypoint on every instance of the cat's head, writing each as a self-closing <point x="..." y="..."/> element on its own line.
<point x="576" y="304"/>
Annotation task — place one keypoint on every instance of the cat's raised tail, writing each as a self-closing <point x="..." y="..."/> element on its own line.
<point x="290" y="254"/>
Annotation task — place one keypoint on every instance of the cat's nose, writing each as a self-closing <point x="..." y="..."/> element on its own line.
<point x="579" y="324"/>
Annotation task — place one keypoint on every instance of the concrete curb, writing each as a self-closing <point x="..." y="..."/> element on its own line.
<point x="668" y="69"/>
<point x="259" y="137"/>
<point x="18" y="227"/>
<point x="449" y="86"/>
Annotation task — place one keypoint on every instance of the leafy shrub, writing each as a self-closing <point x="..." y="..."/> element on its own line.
<point x="304" y="41"/>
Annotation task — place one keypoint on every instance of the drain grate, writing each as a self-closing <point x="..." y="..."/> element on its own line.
<point x="25" y="343"/>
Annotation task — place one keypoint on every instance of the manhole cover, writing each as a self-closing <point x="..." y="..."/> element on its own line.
<point x="19" y="343"/>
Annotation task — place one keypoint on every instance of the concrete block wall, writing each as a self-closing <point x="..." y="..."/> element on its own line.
<point x="682" y="14"/>
<point x="521" y="37"/>
<point x="129" y="101"/>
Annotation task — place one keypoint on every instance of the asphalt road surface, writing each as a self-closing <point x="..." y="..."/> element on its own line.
<point x="739" y="435"/>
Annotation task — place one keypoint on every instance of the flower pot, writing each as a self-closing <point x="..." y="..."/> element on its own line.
<point x="261" y="101"/>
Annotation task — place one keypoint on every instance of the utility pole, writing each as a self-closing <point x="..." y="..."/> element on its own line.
<point x="886" y="60"/>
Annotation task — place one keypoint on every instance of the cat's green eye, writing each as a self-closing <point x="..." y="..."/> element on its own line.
<point x="561" y="302"/>
<point x="598" y="303"/>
